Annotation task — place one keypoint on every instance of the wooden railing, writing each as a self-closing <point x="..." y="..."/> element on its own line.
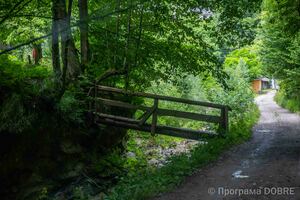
<point x="99" y="97"/>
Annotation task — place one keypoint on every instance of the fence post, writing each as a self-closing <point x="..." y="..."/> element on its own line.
<point x="154" y="117"/>
<point x="224" y="125"/>
<point x="90" y="100"/>
<point x="95" y="96"/>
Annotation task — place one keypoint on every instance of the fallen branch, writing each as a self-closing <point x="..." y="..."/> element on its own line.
<point x="109" y="73"/>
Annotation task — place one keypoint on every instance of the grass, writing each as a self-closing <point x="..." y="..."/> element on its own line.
<point x="292" y="105"/>
<point x="147" y="182"/>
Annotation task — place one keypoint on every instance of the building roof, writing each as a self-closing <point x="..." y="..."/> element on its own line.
<point x="263" y="79"/>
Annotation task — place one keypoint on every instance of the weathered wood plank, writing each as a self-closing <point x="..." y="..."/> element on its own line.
<point x="160" y="97"/>
<point x="163" y="130"/>
<point x="154" y="117"/>
<point x="189" y="115"/>
<point x="117" y="118"/>
<point x="122" y="104"/>
<point x="147" y="115"/>
<point x="184" y="132"/>
<point x="224" y="128"/>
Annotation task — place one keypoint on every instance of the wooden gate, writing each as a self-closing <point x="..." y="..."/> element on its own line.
<point x="100" y="96"/>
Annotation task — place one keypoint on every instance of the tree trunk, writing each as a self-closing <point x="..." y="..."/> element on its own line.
<point x="118" y="4"/>
<point x="70" y="60"/>
<point x="29" y="60"/>
<point x="55" y="40"/>
<point x="126" y="62"/>
<point x="84" y="42"/>
<point x="139" y="37"/>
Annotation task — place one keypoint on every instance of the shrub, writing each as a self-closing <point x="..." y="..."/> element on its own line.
<point x="13" y="115"/>
<point x="71" y="109"/>
<point x="292" y="104"/>
<point x="20" y="88"/>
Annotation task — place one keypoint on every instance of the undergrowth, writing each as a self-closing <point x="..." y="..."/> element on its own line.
<point x="143" y="183"/>
<point x="292" y="104"/>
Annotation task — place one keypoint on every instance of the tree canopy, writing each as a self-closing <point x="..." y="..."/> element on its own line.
<point x="279" y="43"/>
<point x="54" y="54"/>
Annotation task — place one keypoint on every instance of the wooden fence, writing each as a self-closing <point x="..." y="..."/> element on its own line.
<point x="99" y="97"/>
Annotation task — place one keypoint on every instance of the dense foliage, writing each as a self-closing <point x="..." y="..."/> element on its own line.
<point x="20" y="88"/>
<point x="249" y="56"/>
<point x="54" y="51"/>
<point x="279" y="41"/>
<point x="156" y="180"/>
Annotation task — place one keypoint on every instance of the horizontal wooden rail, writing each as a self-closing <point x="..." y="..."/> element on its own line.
<point x="160" y="97"/>
<point x="122" y="104"/>
<point x="189" y="115"/>
<point x="163" y="112"/>
<point x="164" y="130"/>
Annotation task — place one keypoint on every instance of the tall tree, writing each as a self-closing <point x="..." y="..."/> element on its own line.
<point x="55" y="40"/>
<point x="70" y="60"/>
<point x="279" y="38"/>
<point x="84" y="31"/>
<point x="61" y="26"/>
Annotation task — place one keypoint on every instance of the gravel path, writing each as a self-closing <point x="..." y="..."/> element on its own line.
<point x="266" y="167"/>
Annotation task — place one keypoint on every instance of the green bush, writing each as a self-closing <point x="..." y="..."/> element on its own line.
<point x="14" y="73"/>
<point x="71" y="108"/>
<point x="20" y="88"/>
<point x="13" y="115"/>
<point x="250" y="57"/>
<point x="239" y="95"/>
<point x="292" y="104"/>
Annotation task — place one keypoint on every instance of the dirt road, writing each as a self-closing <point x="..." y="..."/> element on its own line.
<point x="266" y="167"/>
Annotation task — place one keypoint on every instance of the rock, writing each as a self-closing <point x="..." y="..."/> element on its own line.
<point x="160" y="165"/>
<point x="138" y="141"/>
<point x="35" y="178"/>
<point x="70" y="148"/>
<point x="130" y="155"/>
<point x="100" y="196"/>
<point x="153" y="161"/>
<point x="160" y="155"/>
<point x="73" y="172"/>
<point x="31" y="191"/>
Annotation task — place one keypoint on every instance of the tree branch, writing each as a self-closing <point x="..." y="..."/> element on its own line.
<point x="28" y="15"/>
<point x="49" y="34"/>
<point x="25" y="44"/>
<point x="109" y="73"/>
<point x="10" y="11"/>
<point x="13" y="9"/>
